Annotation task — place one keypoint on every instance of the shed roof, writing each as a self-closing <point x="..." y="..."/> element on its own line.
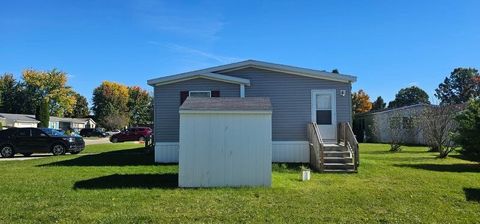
<point x="227" y="104"/>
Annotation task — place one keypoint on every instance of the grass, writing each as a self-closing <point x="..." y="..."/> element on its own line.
<point x="98" y="148"/>
<point x="119" y="184"/>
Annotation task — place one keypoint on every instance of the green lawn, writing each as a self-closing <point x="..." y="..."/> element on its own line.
<point x="121" y="184"/>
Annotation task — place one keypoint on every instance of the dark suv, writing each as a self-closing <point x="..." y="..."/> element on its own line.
<point x="38" y="140"/>
<point x="92" y="132"/>
<point x="132" y="134"/>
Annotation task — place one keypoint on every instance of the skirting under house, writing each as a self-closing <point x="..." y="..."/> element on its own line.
<point x="282" y="152"/>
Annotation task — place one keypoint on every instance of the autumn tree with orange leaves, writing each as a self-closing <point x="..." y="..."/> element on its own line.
<point x="361" y="102"/>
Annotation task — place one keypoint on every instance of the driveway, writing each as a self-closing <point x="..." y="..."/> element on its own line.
<point x="94" y="141"/>
<point x="19" y="157"/>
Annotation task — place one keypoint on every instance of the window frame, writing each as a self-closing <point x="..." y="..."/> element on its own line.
<point x="202" y="91"/>
<point x="407" y="123"/>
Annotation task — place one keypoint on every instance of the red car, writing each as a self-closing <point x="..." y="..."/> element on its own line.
<point x="132" y="134"/>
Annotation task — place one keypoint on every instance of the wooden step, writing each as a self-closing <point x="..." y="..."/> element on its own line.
<point x="338" y="159"/>
<point x="336" y="153"/>
<point x="339" y="171"/>
<point x="334" y="148"/>
<point x="339" y="166"/>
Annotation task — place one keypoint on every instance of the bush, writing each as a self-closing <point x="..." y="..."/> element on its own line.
<point x="437" y="125"/>
<point x="468" y="130"/>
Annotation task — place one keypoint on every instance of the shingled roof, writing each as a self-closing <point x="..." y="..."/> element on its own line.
<point x="227" y="104"/>
<point x="19" y="117"/>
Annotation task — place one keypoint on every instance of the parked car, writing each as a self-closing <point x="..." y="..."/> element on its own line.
<point x="112" y="132"/>
<point x="132" y="134"/>
<point x="38" y="140"/>
<point x="92" y="132"/>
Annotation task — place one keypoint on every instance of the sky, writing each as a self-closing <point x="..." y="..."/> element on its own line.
<point x="387" y="44"/>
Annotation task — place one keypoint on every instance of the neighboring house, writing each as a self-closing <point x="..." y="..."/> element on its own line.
<point x="19" y="120"/>
<point x="375" y="126"/>
<point x="71" y="123"/>
<point x="28" y="120"/>
<point x="298" y="96"/>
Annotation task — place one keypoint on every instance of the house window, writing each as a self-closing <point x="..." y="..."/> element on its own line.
<point x="200" y="93"/>
<point x="395" y="122"/>
<point x="324" y="109"/>
<point x="407" y="123"/>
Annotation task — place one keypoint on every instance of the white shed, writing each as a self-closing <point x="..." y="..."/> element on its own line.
<point x="225" y="141"/>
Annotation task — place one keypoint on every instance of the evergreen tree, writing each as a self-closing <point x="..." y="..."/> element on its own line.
<point x="378" y="104"/>
<point x="409" y="96"/>
<point x="462" y="85"/>
<point x="43" y="114"/>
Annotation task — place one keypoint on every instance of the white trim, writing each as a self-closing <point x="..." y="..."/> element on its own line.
<point x="252" y="63"/>
<point x="225" y="112"/>
<point x="242" y="90"/>
<point x="313" y="106"/>
<point x="209" y="93"/>
<point x="187" y="76"/>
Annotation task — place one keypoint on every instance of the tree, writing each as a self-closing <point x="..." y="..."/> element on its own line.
<point x="43" y="114"/>
<point x="116" y="120"/>
<point x="10" y="91"/>
<point x="437" y="125"/>
<point x="378" y="104"/>
<point x="409" y="96"/>
<point x="110" y="101"/>
<point x="49" y="85"/>
<point x="468" y="131"/>
<point x="462" y="85"/>
<point x="139" y="104"/>
<point x="335" y="71"/>
<point x="361" y="102"/>
<point x="80" y="109"/>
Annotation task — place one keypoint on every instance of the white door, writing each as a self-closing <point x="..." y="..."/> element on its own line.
<point x="324" y="112"/>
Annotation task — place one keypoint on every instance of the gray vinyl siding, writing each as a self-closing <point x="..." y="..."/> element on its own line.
<point x="290" y="96"/>
<point x="291" y="100"/>
<point x="167" y="102"/>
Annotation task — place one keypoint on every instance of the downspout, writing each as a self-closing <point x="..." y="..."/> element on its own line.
<point x="242" y="90"/>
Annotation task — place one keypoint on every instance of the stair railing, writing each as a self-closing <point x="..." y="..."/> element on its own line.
<point x="347" y="137"/>
<point x="317" y="147"/>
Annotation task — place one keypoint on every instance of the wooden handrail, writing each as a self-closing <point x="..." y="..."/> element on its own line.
<point x="316" y="147"/>
<point x="347" y="137"/>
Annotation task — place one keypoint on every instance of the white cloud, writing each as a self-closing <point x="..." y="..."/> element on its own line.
<point x="413" y="84"/>
<point x="196" y="53"/>
<point x="193" y="20"/>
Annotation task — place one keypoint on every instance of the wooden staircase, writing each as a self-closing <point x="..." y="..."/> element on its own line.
<point x="340" y="157"/>
<point x="337" y="158"/>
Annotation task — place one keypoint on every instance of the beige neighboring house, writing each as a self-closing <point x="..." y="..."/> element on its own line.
<point x="29" y="121"/>
<point x="18" y="120"/>
<point x="71" y="123"/>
